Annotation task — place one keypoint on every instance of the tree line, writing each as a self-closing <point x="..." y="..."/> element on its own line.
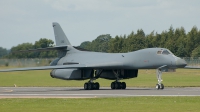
<point x="42" y="43"/>
<point x="182" y="44"/>
<point x="179" y="42"/>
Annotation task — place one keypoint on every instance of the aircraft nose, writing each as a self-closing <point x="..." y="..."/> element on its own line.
<point x="180" y="62"/>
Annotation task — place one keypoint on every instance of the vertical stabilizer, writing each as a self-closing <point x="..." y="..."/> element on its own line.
<point x="60" y="37"/>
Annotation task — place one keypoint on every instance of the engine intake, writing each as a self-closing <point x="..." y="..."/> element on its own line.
<point x="71" y="74"/>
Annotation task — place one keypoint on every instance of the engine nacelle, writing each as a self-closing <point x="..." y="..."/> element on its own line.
<point x="124" y="74"/>
<point x="71" y="74"/>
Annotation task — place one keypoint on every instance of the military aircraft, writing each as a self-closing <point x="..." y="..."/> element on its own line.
<point x="74" y="64"/>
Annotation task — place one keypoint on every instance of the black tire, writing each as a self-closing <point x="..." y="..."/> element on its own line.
<point x="120" y="85"/>
<point x="123" y="85"/>
<point x="162" y="86"/>
<point x="86" y="86"/>
<point x="157" y="86"/>
<point x="117" y="85"/>
<point x="112" y="85"/>
<point x="97" y="85"/>
<point x="94" y="86"/>
<point x="90" y="86"/>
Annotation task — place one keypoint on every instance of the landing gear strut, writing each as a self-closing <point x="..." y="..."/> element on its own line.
<point x="90" y="85"/>
<point x="159" y="77"/>
<point x="117" y="84"/>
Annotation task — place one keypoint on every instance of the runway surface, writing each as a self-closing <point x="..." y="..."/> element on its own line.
<point x="78" y="92"/>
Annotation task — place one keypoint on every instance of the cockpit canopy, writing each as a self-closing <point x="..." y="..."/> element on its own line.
<point x="164" y="52"/>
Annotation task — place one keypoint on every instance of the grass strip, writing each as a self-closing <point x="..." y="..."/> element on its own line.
<point x="146" y="78"/>
<point x="125" y="104"/>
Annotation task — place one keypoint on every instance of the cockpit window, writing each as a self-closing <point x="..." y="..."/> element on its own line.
<point x="159" y="52"/>
<point x="165" y="52"/>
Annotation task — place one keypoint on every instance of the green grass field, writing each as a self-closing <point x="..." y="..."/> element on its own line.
<point x="127" y="104"/>
<point x="146" y="78"/>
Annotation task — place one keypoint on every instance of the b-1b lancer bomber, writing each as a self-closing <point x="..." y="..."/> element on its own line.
<point x="75" y="64"/>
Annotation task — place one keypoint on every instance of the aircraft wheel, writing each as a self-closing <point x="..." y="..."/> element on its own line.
<point x="157" y="86"/>
<point x="120" y="85"/>
<point x="117" y="85"/>
<point x="123" y="85"/>
<point x="86" y="86"/>
<point x="112" y="85"/>
<point x="96" y="86"/>
<point x="90" y="86"/>
<point x="162" y="86"/>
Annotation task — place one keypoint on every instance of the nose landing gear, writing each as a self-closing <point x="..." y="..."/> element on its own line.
<point x="159" y="77"/>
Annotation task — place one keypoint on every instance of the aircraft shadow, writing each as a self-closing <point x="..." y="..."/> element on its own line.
<point x="30" y="90"/>
<point x="56" y="90"/>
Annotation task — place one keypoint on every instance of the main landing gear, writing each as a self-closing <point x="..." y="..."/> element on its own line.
<point x="117" y="84"/>
<point x="159" y="77"/>
<point x="90" y="85"/>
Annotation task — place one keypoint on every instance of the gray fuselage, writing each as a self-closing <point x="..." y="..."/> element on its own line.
<point x="141" y="59"/>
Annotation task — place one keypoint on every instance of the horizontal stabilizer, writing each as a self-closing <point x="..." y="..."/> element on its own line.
<point x="43" y="49"/>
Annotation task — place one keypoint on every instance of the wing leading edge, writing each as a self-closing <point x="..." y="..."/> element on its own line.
<point x="73" y="66"/>
<point x="45" y="68"/>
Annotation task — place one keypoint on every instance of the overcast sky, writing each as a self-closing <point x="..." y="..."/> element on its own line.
<point x="83" y="20"/>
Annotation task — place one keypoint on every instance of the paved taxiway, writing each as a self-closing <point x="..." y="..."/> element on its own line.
<point x="77" y="92"/>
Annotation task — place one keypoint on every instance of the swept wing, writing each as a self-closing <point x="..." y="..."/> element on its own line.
<point x="71" y="66"/>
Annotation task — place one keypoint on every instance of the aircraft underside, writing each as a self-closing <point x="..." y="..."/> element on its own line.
<point x="82" y="74"/>
<point x="93" y="74"/>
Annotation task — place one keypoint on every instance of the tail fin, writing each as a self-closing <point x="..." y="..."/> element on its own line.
<point x="60" y="37"/>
